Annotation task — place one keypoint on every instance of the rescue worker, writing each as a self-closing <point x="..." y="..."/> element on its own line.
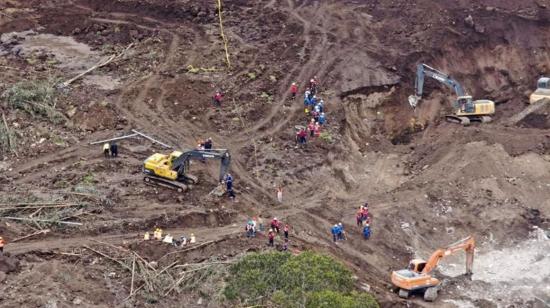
<point x="359" y="218"/>
<point x="114" y="150"/>
<point x="276" y="225"/>
<point x="271" y="237"/>
<point x="280" y="194"/>
<point x="285" y="230"/>
<point x="208" y="144"/>
<point x="317" y="129"/>
<point x="260" y="223"/>
<point x="294" y="90"/>
<point x="322" y="119"/>
<point x="321" y="106"/>
<point x="334" y="231"/>
<point x="313" y="85"/>
<point x="311" y="128"/>
<point x="229" y="186"/>
<point x="315" y="115"/>
<point x="342" y="232"/>
<point x="366" y="231"/>
<point x="106" y="148"/>
<point x="217" y="99"/>
<point x="192" y="240"/>
<point x="250" y="231"/>
<point x="301" y="136"/>
<point x="307" y="94"/>
<point x="2" y="243"/>
<point x="285" y="245"/>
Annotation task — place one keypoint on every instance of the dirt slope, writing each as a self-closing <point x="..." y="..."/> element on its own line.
<point x="429" y="183"/>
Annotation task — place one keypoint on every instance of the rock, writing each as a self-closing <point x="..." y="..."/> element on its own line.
<point x="469" y="21"/>
<point x="104" y="103"/>
<point x="77" y="301"/>
<point x="71" y="112"/>
<point x="2" y="277"/>
<point x="51" y="304"/>
<point x="479" y="29"/>
<point x="111" y="275"/>
<point x="490" y="9"/>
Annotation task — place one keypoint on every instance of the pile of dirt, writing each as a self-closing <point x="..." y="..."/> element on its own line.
<point x="8" y="264"/>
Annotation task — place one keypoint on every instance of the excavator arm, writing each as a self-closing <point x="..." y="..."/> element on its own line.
<point x="423" y="70"/>
<point x="181" y="164"/>
<point x="467" y="244"/>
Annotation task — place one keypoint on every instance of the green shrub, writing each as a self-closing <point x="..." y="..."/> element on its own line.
<point x="326" y="137"/>
<point x="330" y="299"/>
<point x="309" y="279"/>
<point x="255" y="275"/>
<point x="37" y="98"/>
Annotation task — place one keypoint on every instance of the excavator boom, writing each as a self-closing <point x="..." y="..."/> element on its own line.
<point x="466" y="244"/>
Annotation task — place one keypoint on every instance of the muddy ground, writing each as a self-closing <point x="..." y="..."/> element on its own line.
<point x="428" y="182"/>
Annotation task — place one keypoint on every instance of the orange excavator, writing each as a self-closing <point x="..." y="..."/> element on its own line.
<point x="417" y="277"/>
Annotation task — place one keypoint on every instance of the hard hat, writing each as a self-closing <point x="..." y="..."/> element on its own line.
<point x="340" y="224"/>
<point x="336" y="225"/>
<point x="270" y="230"/>
<point x="293" y="83"/>
<point x="274" y="218"/>
<point x="312" y="80"/>
<point x="1" y="238"/>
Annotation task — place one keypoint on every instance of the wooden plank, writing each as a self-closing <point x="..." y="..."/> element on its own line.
<point x="71" y="223"/>
<point x="152" y="139"/>
<point x="113" y="139"/>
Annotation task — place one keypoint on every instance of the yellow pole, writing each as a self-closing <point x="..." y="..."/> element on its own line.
<point x="224" y="39"/>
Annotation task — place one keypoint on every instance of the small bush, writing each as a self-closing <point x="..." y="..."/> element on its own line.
<point x="326" y="137"/>
<point x="37" y="98"/>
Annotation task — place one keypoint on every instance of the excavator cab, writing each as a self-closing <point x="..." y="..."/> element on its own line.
<point x="417" y="265"/>
<point x="543" y="90"/>
<point x="543" y="83"/>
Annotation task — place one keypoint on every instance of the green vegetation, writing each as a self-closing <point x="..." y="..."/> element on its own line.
<point x="37" y="98"/>
<point x="195" y="70"/>
<point x="330" y="299"/>
<point x="251" y="75"/>
<point x="284" y="280"/>
<point x="8" y="139"/>
<point x="326" y="137"/>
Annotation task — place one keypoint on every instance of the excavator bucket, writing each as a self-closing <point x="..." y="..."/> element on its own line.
<point x="413" y="100"/>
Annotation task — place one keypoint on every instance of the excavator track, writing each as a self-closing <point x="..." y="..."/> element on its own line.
<point x="157" y="181"/>
<point x="458" y="120"/>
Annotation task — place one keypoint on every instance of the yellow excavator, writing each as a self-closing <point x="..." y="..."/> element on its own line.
<point x="466" y="110"/>
<point x="171" y="170"/>
<point x="542" y="91"/>
<point x="417" y="277"/>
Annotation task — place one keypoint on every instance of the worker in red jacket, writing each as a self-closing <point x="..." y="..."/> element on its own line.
<point x="293" y="90"/>
<point x="217" y="99"/>
<point x="271" y="237"/>
<point x="276" y="225"/>
<point x="2" y="243"/>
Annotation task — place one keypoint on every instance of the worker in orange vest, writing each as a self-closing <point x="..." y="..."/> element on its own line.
<point x="2" y="243"/>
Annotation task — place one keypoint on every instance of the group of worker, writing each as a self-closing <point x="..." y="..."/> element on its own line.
<point x="110" y="150"/>
<point x="255" y="225"/>
<point x="205" y="145"/>
<point x="169" y="239"/>
<point x="363" y="220"/>
<point x="314" y="108"/>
